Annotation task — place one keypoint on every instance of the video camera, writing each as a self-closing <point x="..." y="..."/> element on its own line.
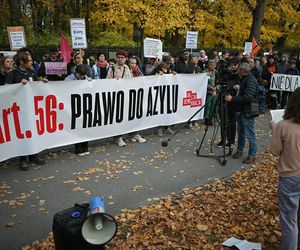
<point x="226" y="77"/>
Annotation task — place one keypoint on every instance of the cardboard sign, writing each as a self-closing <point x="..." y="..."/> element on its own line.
<point x="191" y="40"/>
<point x="153" y="48"/>
<point x="282" y="82"/>
<point x="55" y="68"/>
<point x="78" y="33"/>
<point x="16" y="37"/>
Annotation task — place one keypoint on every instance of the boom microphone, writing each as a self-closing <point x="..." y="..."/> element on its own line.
<point x="164" y="144"/>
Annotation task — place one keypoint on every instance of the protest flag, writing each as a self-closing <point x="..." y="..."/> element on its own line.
<point x="255" y="46"/>
<point x="65" y="49"/>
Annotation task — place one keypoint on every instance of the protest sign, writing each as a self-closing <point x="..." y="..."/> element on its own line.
<point x="248" y="48"/>
<point x="16" y="37"/>
<point x="78" y="33"/>
<point x="152" y="48"/>
<point x="55" y="68"/>
<point x="38" y="116"/>
<point x="282" y="82"/>
<point x="191" y="40"/>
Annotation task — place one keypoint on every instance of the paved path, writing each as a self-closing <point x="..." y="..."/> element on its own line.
<point x="126" y="177"/>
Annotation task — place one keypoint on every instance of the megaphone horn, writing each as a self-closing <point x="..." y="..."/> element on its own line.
<point x="100" y="227"/>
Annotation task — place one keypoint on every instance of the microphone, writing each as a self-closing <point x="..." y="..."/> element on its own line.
<point x="165" y="144"/>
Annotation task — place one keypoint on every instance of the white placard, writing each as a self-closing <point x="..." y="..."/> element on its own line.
<point x="248" y="47"/>
<point x="191" y="40"/>
<point x="78" y="33"/>
<point x="16" y="37"/>
<point x="152" y="48"/>
<point x="8" y="53"/>
<point x="277" y="114"/>
<point x="284" y="82"/>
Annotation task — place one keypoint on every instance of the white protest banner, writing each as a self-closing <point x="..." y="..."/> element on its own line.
<point x="54" y="68"/>
<point x="248" y="47"/>
<point x="152" y="48"/>
<point x="16" y="37"/>
<point x="78" y="33"/>
<point x="191" y="40"/>
<point x="284" y="82"/>
<point x="38" y="116"/>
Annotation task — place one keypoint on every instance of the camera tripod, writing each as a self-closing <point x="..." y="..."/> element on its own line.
<point x="223" y="111"/>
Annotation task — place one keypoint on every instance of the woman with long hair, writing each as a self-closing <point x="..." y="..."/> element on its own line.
<point x="285" y="143"/>
<point x="5" y="67"/>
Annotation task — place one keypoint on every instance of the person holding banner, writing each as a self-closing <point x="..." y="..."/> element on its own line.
<point x="121" y="70"/>
<point x="80" y="73"/>
<point x="5" y="67"/>
<point x="101" y="67"/>
<point x="285" y="143"/>
<point x="164" y="68"/>
<point x="78" y="60"/>
<point x="24" y="74"/>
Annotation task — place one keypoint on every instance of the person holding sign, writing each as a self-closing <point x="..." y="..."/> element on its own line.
<point x="24" y="74"/>
<point x="51" y="75"/>
<point x="285" y="143"/>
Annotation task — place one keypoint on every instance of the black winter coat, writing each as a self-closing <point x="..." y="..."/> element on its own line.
<point x="247" y="93"/>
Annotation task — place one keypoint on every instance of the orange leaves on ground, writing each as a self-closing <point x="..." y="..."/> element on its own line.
<point x="244" y="206"/>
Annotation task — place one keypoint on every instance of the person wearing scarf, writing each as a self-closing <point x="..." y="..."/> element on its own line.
<point x="101" y="67"/>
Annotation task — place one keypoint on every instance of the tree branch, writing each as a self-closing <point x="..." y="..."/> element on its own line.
<point x="249" y="6"/>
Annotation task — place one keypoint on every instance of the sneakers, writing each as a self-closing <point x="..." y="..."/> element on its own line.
<point x="190" y="126"/>
<point x="138" y="138"/>
<point x="160" y="132"/>
<point x="237" y="155"/>
<point x="249" y="160"/>
<point x="220" y="144"/>
<point x="83" y="153"/>
<point x="120" y="142"/>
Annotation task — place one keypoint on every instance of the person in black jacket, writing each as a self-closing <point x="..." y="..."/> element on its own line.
<point x="54" y="52"/>
<point x="24" y="74"/>
<point x="184" y="65"/>
<point x="245" y="124"/>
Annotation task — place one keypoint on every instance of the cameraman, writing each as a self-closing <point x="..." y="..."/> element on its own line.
<point x="231" y="78"/>
<point x="245" y="124"/>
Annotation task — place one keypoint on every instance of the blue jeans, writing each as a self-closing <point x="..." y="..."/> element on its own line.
<point x="246" y="129"/>
<point x="289" y="198"/>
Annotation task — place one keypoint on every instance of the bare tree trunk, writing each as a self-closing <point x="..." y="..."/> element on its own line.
<point x="15" y="12"/>
<point x="257" y="17"/>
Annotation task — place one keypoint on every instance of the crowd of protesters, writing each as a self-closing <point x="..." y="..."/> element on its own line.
<point x="247" y="79"/>
<point x="23" y="68"/>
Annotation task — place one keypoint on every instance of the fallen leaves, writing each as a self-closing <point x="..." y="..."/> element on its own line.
<point x="244" y="206"/>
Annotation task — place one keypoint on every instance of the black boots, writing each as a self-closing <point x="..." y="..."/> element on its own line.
<point x="23" y="165"/>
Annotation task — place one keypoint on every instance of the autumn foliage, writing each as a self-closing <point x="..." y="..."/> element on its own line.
<point x="220" y="23"/>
